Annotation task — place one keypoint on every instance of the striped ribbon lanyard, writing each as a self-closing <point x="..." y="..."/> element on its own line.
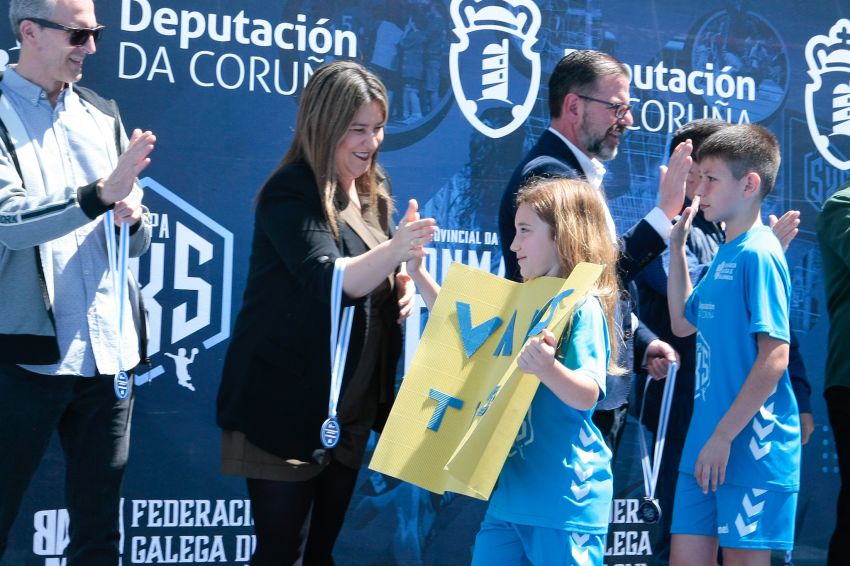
<point x="649" y="510"/>
<point x="118" y="272"/>
<point x="339" y="349"/>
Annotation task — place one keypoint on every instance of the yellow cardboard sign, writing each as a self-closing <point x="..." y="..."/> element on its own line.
<point x="463" y="399"/>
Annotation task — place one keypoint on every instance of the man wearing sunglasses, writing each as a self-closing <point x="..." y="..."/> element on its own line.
<point x="76" y="36"/>
<point x="64" y="162"/>
<point x="589" y="112"/>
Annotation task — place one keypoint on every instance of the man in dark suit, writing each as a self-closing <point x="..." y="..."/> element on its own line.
<point x="590" y="111"/>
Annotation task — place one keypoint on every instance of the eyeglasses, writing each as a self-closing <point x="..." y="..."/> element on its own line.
<point x="620" y="109"/>
<point x="76" y="36"/>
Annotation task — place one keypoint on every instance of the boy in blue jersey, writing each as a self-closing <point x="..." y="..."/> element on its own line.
<point x="740" y="468"/>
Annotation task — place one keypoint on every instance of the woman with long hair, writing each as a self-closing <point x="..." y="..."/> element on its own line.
<point x="328" y="199"/>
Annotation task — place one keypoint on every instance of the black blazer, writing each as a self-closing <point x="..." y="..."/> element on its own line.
<point x="276" y="377"/>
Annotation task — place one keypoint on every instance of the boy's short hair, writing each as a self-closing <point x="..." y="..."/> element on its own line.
<point x="697" y="131"/>
<point x="745" y="148"/>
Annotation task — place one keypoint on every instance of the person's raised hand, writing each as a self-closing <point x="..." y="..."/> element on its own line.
<point x="671" y="186"/>
<point x="412" y="215"/>
<point x="679" y="232"/>
<point x="785" y="228"/>
<point x="412" y="234"/>
<point x="135" y="158"/>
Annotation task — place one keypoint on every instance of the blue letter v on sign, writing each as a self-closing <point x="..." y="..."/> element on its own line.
<point x="474" y="336"/>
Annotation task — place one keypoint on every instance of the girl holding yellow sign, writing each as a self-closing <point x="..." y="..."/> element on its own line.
<point x="551" y="503"/>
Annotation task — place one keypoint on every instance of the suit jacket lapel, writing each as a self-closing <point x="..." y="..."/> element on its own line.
<point x="354" y="221"/>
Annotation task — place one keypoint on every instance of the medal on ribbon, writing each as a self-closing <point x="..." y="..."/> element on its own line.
<point x="649" y="510"/>
<point x="121" y="384"/>
<point x="330" y="431"/>
<point x="118" y="271"/>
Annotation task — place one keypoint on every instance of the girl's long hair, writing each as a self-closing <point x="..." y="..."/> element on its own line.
<point x="332" y="97"/>
<point x="576" y="214"/>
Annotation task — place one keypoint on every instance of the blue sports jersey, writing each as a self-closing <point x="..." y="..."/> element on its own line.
<point x="558" y="474"/>
<point x="745" y="292"/>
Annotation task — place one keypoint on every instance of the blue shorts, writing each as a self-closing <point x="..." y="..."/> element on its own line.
<point x="510" y="544"/>
<point x="740" y="517"/>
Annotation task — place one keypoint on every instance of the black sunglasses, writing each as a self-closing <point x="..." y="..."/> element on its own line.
<point x="76" y="36"/>
<point x="620" y="109"/>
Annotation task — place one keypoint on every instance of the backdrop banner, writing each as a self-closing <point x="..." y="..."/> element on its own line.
<point x="218" y="82"/>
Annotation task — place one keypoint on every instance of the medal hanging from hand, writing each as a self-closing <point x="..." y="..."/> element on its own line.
<point x="330" y="430"/>
<point x="649" y="509"/>
<point x="118" y="272"/>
